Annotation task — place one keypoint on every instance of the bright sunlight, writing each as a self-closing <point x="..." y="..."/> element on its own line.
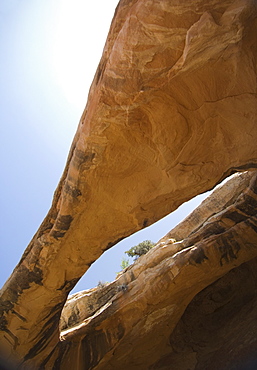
<point x="78" y="44"/>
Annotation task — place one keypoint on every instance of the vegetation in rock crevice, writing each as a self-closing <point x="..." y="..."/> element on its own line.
<point x="140" y="249"/>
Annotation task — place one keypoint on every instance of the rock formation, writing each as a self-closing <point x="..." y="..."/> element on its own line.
<point x="137" y="318"/>
<point x="171" y="112"/>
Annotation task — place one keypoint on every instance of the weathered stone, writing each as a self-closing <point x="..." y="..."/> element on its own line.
<point x="148" y="325"/>
<point x="171" y="112"/>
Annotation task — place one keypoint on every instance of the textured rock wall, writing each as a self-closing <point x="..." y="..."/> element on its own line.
<point x="184" y="305"/>
<point x="217" y="330"/>
<point x="171" y="112"/>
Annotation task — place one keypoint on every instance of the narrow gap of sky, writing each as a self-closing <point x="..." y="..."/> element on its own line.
<point x="107" y="266"/>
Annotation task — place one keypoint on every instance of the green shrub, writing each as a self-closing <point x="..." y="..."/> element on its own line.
<point x="140" y="249"/>
<point x="124" y="263"/>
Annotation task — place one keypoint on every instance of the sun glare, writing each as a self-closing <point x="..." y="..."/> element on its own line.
<point x="81" y="31"/>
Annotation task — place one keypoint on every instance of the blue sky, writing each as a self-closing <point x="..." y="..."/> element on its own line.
<point x="49" y="53"/>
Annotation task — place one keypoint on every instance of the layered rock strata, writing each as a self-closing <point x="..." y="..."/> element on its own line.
<point x="171" y="112"/>
<point x="184" y="305"/>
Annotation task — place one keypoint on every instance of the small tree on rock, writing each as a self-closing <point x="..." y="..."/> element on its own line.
<point x="140" y="249"/>
<point x="124" y="263"/>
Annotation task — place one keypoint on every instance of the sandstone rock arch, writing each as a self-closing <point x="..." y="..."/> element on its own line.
<point x="171" y="112"/>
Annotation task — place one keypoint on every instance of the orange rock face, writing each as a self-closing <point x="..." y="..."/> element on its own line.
<point x="183" y="304"/>
<point x="171" y="112"/>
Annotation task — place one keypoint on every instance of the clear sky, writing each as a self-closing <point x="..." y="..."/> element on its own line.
<point x="50" y="50"/>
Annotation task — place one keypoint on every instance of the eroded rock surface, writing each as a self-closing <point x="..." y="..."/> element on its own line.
<point x="184" y="304"/>
<point x="171" y="112"/>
